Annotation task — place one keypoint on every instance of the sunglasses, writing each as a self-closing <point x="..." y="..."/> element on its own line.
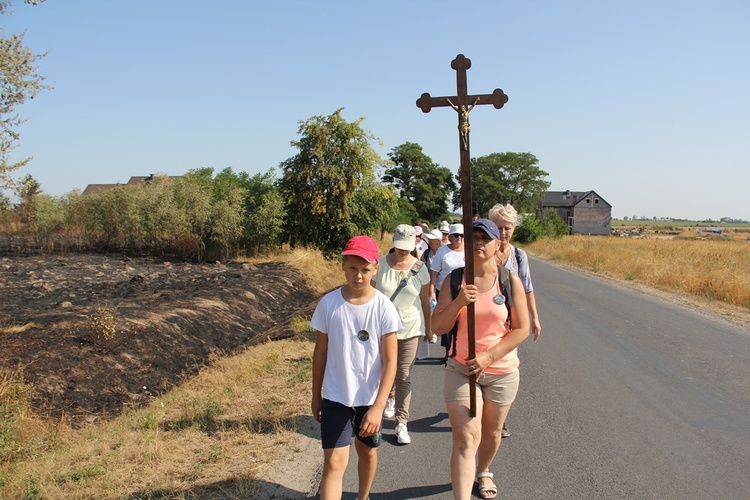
<point x="457" y="235"/>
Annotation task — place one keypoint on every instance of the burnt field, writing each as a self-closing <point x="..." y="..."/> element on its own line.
<point x="97" y="333"/>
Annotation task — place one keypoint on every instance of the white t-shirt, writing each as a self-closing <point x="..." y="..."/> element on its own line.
<point x="445" y="261"/>
<point x="407" y="302"/>
<point x="353" y="363"/>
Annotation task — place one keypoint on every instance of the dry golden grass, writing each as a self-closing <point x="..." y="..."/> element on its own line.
<point x="718" y="270"/>
<point x="10" y="328"/>
<point x="219" y="429"/>
<point x="320" y="274"/>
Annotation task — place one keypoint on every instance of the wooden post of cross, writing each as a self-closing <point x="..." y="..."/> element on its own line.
<point x="463" y="103"/>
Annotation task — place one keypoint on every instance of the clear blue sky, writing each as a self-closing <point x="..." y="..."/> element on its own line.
<point x="646" y="102"/>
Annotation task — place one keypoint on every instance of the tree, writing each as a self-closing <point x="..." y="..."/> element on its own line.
<point x="264" y="207"/>
<point x="27" y="191"/>
<point x="552" y="224"/>
<point x="4" y="203"/>
<point x="215" y="209"/>
<point x="422" y="182"/>
<point x="375" y="208"/>
<point x="529" y="230"/>
<point x="19" y="81"/>
<point x="513" y="178"/>
<point x="335" y="159"/>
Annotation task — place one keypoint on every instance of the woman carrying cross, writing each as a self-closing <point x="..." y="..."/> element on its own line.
<point x="499" y="329"/>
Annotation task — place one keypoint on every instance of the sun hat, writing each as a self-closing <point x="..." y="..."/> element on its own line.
<point x="456" y="229"/>
<point x="362" y="246"/>
<point x="418" y="230"/>
<point x="425" y="228"/>
<point x="435" y="234"/>
<point x="488" y="227"/>
<point x="404" y="237"/>
<point x="444" y="228"/>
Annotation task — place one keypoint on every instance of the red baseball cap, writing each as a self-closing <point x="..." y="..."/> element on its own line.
<point x="362" y="246"/>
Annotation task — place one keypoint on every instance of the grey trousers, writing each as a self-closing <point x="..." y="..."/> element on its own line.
<point x="401" y="391"/>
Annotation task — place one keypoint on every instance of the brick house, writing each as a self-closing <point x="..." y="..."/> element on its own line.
<point x="585" y="212"/>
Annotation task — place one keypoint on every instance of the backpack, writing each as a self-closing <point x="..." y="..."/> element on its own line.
<point x="426" y="255"/>
<point x="518" y="258"/>
<point x="456" y="277"/>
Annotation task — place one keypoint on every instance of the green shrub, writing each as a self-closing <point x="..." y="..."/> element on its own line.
<point x="529" y="230"/>
<point x="552" y="225"/>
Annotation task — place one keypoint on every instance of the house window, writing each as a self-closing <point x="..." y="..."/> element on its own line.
<point x="588" y="200"/>
<point x="596" y="201"/>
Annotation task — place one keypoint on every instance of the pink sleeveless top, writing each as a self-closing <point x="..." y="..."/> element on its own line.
<point x="489" y="327"/>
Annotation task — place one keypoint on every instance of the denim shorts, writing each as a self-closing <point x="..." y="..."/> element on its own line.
<point x="338" y="423"/>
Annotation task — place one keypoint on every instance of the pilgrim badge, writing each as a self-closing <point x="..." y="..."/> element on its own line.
<point x="499" y="299"/>
<point x="363" y="335"/>
<point x="402" y="284"/>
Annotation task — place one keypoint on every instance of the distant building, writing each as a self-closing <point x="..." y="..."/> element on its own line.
<point x="585" y="212"/>
<point x="136" y="180"/>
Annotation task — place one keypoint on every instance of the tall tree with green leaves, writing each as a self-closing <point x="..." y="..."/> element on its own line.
<point x="264" y="207"/>
<point x="335" y="159"/>
<point x="513" y="178"/>
<point x="375" y="208"/>
<point x="19" y="81"/>
<point x="423" y="183"/>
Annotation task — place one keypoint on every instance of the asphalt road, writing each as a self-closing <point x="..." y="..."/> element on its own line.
<point x="624" y="396"/>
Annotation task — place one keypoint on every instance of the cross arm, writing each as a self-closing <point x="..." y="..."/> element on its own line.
<point x="496" y="98"/>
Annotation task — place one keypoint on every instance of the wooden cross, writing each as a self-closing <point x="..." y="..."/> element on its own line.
<point x="463" y="103"/>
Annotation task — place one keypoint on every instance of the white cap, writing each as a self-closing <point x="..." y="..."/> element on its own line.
<point x="435" y="234"/>
<point x="444" y="226"/>
<point x="404" y="237"/>
<point x="456" y="229"/>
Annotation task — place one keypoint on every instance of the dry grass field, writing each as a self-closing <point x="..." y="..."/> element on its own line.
<point x="717" y="270"/>
<point x="215" y="434"/>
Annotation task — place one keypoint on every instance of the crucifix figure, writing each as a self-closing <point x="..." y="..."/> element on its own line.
<point x="463" y="121"/>
<point x="463" y="103"/>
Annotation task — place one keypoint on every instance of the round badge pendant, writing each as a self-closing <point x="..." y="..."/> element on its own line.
<point x="402" y="283"/>
<point x="363" y="335"/>
<point x="499" y="299"/>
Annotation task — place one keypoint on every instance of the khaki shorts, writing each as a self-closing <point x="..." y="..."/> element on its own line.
<point x="500" y="389"/>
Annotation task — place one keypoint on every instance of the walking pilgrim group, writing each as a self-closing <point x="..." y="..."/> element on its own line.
<point x="370" y="331"/>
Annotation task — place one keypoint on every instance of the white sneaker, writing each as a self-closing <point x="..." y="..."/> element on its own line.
<point x="402" y="435"/>
<point x="390" y="408"/>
